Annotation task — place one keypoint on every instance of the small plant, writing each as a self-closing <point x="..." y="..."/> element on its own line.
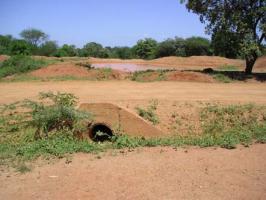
<point x="149" y="113"/>
<point x="23" y="168"/>
<point x="60" y="114"/>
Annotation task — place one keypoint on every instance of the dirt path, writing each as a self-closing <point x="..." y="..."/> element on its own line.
<point x="150" y="173"/>
<point x="127" y="91"/>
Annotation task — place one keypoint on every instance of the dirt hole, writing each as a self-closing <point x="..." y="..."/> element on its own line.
<point x="101" y="133"/>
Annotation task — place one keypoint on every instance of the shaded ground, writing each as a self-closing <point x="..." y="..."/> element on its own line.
<point x="149" y="173"/>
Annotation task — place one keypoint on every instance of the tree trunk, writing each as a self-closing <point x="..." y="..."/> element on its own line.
<point x="250" y="61"/>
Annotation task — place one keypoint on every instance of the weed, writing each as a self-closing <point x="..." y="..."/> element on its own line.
<point x="222" y="78"/>
<point x="23" y="168"/>
<point x="149" y="113"/>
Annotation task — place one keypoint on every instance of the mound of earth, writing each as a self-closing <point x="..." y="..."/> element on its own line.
<point x="3" y="57"/>
<point x="174" y="76"/>
<point x="193" y="62"/>
<point x="72" y="70"/>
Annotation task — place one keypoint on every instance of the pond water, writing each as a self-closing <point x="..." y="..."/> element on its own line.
<point x="128" y="67"/>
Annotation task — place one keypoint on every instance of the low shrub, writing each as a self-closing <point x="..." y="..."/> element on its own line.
<point x="20" y="64"/>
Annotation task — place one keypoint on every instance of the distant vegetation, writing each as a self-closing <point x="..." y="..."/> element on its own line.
<point x="36" y="42"/>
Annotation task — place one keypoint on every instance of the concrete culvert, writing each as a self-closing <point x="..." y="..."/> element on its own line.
<point x="100" y="132"/>
<point x="112" y="116"/>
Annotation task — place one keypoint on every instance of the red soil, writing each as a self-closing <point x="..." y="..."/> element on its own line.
<point x="72" y="70"/>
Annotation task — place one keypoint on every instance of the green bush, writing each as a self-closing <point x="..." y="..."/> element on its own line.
<point x="59" y="115"/>
<point x="20" y="64"/>
<point x="20" y="47"/>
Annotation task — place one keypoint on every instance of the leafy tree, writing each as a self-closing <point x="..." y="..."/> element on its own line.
<point x="225" y="43"/>
<point x="245" y="18"/>
<point x="120" y="52"/>
<point x="166" y="48"/>
<point x="146" y="49"/>
<point x="33" y="36"/>
<point x="171" y="47"/>
<point x="66" y="50"/>
<point x="20" y="47"/>
<point x="94" y="49"/>
<point x="5" y="43"/>
<point x="197" y="46"/>
<point x="48" y="48"/>
<point x="180" y="44"/>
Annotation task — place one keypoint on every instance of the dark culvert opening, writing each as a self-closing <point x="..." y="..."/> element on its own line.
<point x="100" y="133"/>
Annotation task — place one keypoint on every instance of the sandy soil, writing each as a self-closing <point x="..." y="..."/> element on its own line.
<point x="127" y="92"/>
<point x="180" y="99"/>
<point x="193" y="62"/>
<point x="150" y="173"/>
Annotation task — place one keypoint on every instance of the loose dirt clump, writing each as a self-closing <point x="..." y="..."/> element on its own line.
<point x="3" y="58"/>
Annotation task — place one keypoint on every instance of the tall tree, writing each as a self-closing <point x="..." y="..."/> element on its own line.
<point x="146" y="49"/>
<point x="245" y="18"/>
<point x="33" y="36"/>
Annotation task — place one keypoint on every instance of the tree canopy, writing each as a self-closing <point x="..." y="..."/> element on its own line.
<point x="245" y="19"/>
<point x="33" y="36"/>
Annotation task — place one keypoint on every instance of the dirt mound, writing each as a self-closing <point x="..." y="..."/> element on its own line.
<point x="193" y="62"/>
<point x="150" y="76"/>
<point x="3" y="57"/>
<point x="72" y="70"/>
<point x="189" y="76"/>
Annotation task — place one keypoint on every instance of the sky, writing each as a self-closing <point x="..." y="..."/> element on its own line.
<point x="109" y="22"/>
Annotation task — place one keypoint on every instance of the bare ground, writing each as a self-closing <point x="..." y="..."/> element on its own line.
<point x="149" y="173"/>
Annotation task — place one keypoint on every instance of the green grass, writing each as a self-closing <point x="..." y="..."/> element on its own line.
<point x="228" y="68"/>
<point x="21" y="64"/>
<point x="222" y="78"/>
<point x="222" y="125"/>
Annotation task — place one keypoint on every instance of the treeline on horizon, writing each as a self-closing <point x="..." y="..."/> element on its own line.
<point x="36" y="42"/>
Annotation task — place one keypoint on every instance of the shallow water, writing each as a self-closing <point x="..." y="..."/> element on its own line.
<point x="128" y="67"/>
